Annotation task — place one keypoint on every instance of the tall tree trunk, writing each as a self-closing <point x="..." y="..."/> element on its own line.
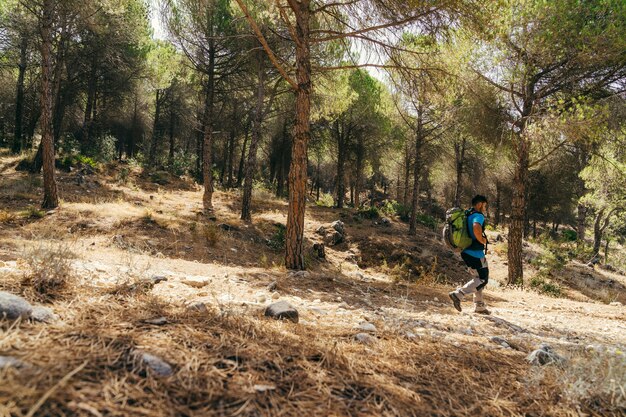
<point x="91" y="97"/>
<point x="172" y="141"/>
<point x="581" y="220"/>
<point x="282" y="164"/>
<point x="407" y="174"/>
<point x="240" y="169"/>
<point x="254" y="143"/>
<point x="518" y="213"/>
<point x="19" y="98"/>
<point x="294" y="236"/>
<point x="51" y="198"/>
<point x="341" y="162"/>
<point x="207" y="151"/>
<point x="134" y="130"/>
<point x="360" y="154"/>
<point x="318" y="183"/>
<point x="498" y="203"/>
<point x="155" y="132"/>
<point x="231" y="147"/>
<point x="459" y="153"/>
<point x="416" y="175"/>
<point x="597" y="233"/>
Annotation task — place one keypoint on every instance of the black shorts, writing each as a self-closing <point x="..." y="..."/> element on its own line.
<point x="480" y="265"/>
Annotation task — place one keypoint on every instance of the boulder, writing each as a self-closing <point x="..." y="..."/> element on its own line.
<point x="333" y="238"/>
<point x="338" y="226"/>
<point x="282" y="310"/>
<point x="14" y="307"/>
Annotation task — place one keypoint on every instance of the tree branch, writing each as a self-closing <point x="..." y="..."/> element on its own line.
<point x="267" y="48"/>
<point x="340" y="35"/>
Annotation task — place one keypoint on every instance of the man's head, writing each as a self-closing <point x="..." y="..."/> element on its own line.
<point x="479" y="203"/>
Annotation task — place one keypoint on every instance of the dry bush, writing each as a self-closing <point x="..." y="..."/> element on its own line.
<point x="211" y="234"/>
<point x="50" y="267"/>
<point x="598" y="379"/>
<point x="7" y="217"/>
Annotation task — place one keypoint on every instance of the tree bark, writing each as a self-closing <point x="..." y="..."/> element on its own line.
<point x="341" y="162"/>
<point x="240" y="169"/>
<point x="518" y="211"/>
<point x="155" y="133"/>
<point x="459" y="153"/>
<point x="172" y="141"/>
<point x="254" y="143"/>
<point x="91" y="97"/>
<point x="599" y="226"/>
<point x="498" y="203"/>
<point x="207" y="151"/>
<point x="51" y="199"/>
<point x="231" y="147"/>
<point x="294" y="236"/>
<point x="360" y="156"/>
<point x="416" y="175"/>
<point x="407" y="174"/>
<point x="19" y="98"/>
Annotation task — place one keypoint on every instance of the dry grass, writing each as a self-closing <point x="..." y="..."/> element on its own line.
<point x="49" y="269"/>
<point x="221" y="362"/>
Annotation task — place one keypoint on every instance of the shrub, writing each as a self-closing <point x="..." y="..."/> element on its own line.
<point x="50" y="267"/>
<point x="368" y="213"/>
<point x="428" y="221"/>
<point x="211" y="234"/>
<point x="7" y="217"/>
<point x="569" y="235"/>
<point x="183" y="163"/>
<point x="277" y="241"/>
<point x="326" y="200"/>
<point x="33" y="212"/>
<point x="392" y="207"/>
<point x="539" y="283"/>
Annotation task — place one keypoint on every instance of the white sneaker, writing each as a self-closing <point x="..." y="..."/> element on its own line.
<point x="480" y="308"/>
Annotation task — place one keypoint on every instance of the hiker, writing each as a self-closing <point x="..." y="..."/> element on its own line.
<point x="474" y="257"/>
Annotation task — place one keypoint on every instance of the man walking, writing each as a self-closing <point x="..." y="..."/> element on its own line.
<point x="474" y="257"/>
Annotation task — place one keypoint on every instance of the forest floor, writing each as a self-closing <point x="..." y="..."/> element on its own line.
<point x="145" y="272"/>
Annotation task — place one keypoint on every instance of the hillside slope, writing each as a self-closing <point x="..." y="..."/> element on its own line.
<point x="144" y="273"/>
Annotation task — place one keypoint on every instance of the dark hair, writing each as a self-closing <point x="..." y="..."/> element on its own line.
<point x="479" y="199"/>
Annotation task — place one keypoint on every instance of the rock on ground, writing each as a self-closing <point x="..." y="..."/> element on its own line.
<point x="544" y="355"/>
<point x="11" y="362"/>
<point x="155" y="364"/>
<point x="282" y="310"/>
<point x="364" y="338"/>
<point x="366" y="327"/>
<point x="14" y="307"/>
<point x="43" y="314"/>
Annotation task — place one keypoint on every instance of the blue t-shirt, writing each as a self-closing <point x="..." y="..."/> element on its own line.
<point x="480" y="219"/>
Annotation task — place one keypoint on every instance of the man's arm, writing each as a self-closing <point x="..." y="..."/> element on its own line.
<point x="478" y="232"/>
